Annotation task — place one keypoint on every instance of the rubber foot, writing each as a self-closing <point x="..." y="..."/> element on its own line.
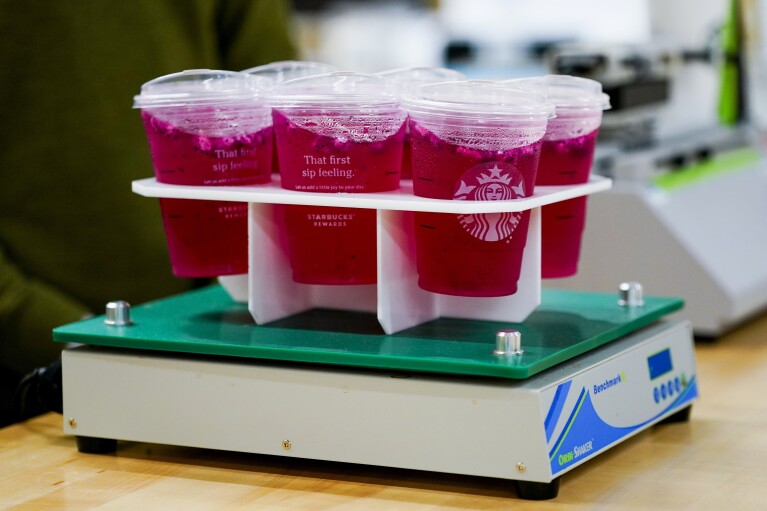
<point x="531" y="490"/>
<point x="92" y="445"/>
<point x="682" y="415"/>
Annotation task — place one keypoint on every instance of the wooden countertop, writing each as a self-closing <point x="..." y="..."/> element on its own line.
<point x="718" y="460"/>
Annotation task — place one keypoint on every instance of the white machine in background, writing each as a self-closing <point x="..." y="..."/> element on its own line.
<point x="687" y="214"/>
<point x="686" y="218"/>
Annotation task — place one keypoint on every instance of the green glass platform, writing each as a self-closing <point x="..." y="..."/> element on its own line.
<point x="209" y="322"/>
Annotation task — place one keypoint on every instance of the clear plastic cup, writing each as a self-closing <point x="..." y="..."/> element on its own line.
<point x="408" y="79"/>
<point x="207" y="128"/>
<point x="473" y="141"/>
<point x="206" y="238"/>
<point x="566" y="159"/>
<point x="337" y="132"/>
<point x="285" y="70"/>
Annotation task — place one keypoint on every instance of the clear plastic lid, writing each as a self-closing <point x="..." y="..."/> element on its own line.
<point x="567" y="93"/>
<point x="200" y="87"/>
<point x="285" y="70"/>
<point x="340" y="91"/>
<point x="482" y="100"/>
<point x="406" y="78"/>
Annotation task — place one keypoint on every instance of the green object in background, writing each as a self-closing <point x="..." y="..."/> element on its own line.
<point x="731" y="92"/>
<point x="727" y="161"/>
<point x="208" y="322"/>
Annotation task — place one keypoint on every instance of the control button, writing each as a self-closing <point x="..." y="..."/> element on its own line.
<point x="670" y="386"/>
<point x="663" y="391"/>
<point x="656" y="394"/>
<point x="677" y="384"/>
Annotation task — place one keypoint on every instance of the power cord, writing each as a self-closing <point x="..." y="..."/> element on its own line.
<point x="39" y="391"/>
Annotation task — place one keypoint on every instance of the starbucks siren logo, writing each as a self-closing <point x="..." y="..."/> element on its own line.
<point x="490" y="181"/>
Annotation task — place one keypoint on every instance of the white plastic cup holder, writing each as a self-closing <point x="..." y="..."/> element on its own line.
<point x="397" y="300"/>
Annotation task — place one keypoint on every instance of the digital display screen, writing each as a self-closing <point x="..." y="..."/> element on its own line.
<point x="660" y="363"/>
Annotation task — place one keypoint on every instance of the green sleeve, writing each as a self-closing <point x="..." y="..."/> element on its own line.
<point x="70" y="145"/>
<point x="29" y="310"/>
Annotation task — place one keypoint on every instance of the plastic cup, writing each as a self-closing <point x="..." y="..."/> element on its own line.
<point x="408" y="79"/>
<point x="473" y="141"/>
<point x="285" y="70"/>
<point x="566" y="159"/>
<point x="207" y="128"/>
<point x="206" y="238"/>
<point x="337" y="132"/>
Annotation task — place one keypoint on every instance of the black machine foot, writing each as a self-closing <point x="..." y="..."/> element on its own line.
<point x="531" y="490"/>
<point x="705" y="339"/>
<point x="682" y="415"/>
<point x="92" y="445"/>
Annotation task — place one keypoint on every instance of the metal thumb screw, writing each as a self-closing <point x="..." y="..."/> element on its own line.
<point x="118" y="313"/>
<point x="508" y="343"/>
<point x="630" y="294"/>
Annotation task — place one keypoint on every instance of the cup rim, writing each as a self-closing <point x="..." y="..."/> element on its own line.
<point x="203" y="87"/>
<point x="338" y="90"/>
<point x="477" y="99"/>
<point x="279" y="71"/>
<point x="568" y="93"/>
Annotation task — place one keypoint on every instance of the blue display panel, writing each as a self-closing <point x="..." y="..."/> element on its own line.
<point x="660" y="363"/>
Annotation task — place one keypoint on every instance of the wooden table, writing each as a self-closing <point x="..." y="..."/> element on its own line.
<point x="716" y="461"/>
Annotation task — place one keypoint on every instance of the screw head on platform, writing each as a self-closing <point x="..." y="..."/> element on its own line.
<point x="118" y="313"/>
<point x="508" y="343"/>
<point x="630" y="294"/>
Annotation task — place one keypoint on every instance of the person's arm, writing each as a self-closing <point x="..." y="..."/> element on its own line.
<point x="254" y="32"/>
<point x="29" y="310"/>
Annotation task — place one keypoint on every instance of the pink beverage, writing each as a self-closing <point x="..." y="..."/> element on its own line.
<point x="330" y="245"/>
<point x="319" y="163"/>
<point x="186" y="158"/>
<point x="407" y="156"/>
<point x="567" y="161"/>
<point x="282" y="71"/>
<point x="331" y="145"/>
<point x="351" y="256"/>
<point x="564" y="162"/>
<point x="206" y="237"/>
<point x="409" y="78"/>
<point x="473" y="141"/>
<point x="477" y="254"/>
<point x="206" y="128"/>
<point x="566" y="158"/>
<point x="563" y="224"/>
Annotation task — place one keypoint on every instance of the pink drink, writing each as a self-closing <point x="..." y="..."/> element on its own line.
<point x="275" y="159"/>
<point x="566" y="157"/>
<point x="562" y="232"/>
<point x="330" y="245"/>
<point x="284" y="70"/>
<point x="407" y="157"/>
<point x="409" y="78"/>
<point x="207" y="238"/>
<point x="477" y="254"/>
<point x="567" y="161"/>
<point x="184" y="158"/>
<point x="318" y="163"/>
<point x="564" y="162"/>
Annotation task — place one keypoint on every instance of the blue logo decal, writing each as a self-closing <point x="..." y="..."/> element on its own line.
<point x="585" y="433"/>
